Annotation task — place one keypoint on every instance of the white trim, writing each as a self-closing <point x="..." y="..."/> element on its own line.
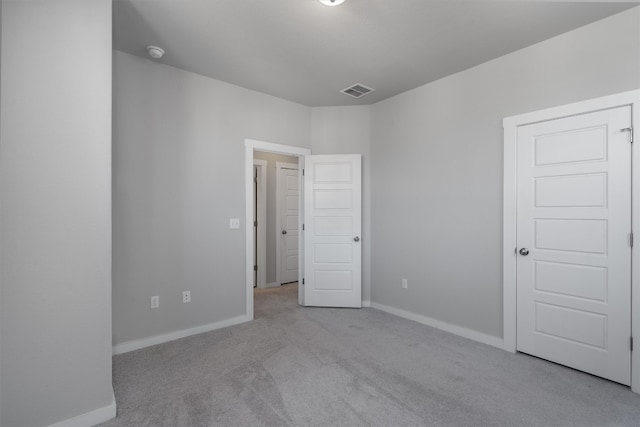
<point x="262" y="222"/>
<point x="269" y="147"/>
<point x="366" y="303"/>
<point x="510" y="125"/>
<point x="301" y="163"/>
<point x="92" y="418"/>
<point x="279" y="189"/>
<point x="250" y="145"/>
<point x="272" y="285"/>
<point x="509" y="241"/>
<point x="162" y="338"/>
<point x="444" y="326"/>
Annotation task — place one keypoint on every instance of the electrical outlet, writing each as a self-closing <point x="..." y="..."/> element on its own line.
<point x="404" y="283"/>
<point x="234" y="223"/>
<point x="186" y="297"/>
<point x="155" y="301"/>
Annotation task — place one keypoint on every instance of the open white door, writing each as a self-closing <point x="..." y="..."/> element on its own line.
<point x="333" y="223"/>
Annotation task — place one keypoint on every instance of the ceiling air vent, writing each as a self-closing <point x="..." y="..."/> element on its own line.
<point x="357" y="90"/>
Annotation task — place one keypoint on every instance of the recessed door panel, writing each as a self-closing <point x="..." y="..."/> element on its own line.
<point x="586" y="190"/>
<point x="333" y="172"/>
<point x="332" y="253"/>
<point x="332" y="199"/>
<point x="574" y="146"/>
<point x="576" y="235"/>
<point x="333" y="226"/>
<point x="579" y="326"/>
<point x="333" y="280"/>
<point x="582" y="281"/>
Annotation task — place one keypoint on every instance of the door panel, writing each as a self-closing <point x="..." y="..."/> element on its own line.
<point x="332" y="231"/>
<point x="574" y="217"/>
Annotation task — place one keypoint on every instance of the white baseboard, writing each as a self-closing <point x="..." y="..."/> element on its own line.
<point x="128" y="346"/>
<point x="439" y="324"/>
<point x="366" y="303"/>
<point x="271" y="285"/>
<point x="92" y="418"/>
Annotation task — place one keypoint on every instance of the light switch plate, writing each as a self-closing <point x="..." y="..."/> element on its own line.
<point x="234" y="223"/>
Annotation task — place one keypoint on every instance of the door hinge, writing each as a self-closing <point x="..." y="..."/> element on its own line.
<point x="302" y="227"/>
<point x="255" y="268"/>
<point x="631" y="239"/>
<point x="255" y="179"/>
<point x="303" y="280"/>
<point x="631" y="343"/>
<point x="630" y="130"/>
<point x="255" y="223"/>
<point x="302" y="172"/>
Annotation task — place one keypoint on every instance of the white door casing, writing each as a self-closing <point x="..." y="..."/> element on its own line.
<point x="333" y="223"/>
<point x="287" y="228"/>
<point x="574" y="219"/>
<point x="301" y="245"/>
<point x="261" y="251"/>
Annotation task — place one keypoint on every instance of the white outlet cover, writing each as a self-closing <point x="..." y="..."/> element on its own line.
<point x="234" y="223"/>
<point x="155" y="301"/>
<point x="186" y="297"/>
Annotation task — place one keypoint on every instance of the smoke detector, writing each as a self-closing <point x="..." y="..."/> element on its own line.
<point x="331" y="2"/>
<point x="155" y="52"/>
<point x="357" y="90"/>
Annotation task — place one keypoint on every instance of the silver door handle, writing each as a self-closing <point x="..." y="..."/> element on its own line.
<point x="284" y="231"/>
<point x="356" y="239"/>
<point x="524" y="251"/>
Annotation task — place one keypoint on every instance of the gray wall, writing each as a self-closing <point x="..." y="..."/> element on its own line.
<point x="55" y="214"/>
<point x="347" y="130"/>
<point x="437" y="162"/>
<point x="178" y="178"/>
<point x="272" y="233"/>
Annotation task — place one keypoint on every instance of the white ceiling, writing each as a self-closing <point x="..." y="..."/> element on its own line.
<point x="305" y="52"/>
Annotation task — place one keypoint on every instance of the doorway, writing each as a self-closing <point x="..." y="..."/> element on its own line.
<point x="331" y="254"/>
<point x="276" y="231"/>
<point x="266" y="147"/>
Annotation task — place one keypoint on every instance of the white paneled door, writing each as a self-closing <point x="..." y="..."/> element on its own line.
<point x="332" y="212"/>
<point x="574" y="249"/>
<point x="288" y="223"/>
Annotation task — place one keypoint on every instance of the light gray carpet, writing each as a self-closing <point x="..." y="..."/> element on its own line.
<point x="344" y="367"/>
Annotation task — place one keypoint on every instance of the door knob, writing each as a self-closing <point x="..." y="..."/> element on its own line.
<point x="524" y="251"/>
<point x="356" y="239"/>
<point x="284" y="231"/>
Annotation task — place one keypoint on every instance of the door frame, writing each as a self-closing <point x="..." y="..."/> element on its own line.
<point x="279" y="166"/>
<point x="510" y="126"/>
<point x="261" y="217"/>
<point x="249" y="146"/>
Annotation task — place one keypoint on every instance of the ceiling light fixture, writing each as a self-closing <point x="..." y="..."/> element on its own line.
<point x="331" y="2"/>
<point x="155" y="52"/>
